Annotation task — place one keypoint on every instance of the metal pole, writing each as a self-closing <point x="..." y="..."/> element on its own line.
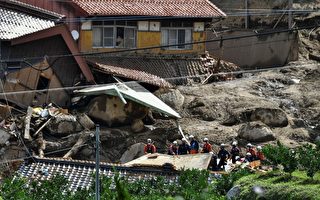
<point x="97" y="162"/>
<point x="246" y="13"/>
<point x="290" y="14"/>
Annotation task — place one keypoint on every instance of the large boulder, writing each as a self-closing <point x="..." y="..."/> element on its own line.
<point x="113" y="112"/>
<point x="256" y="132"/>
<point x="134" y="151"/>
<point x="273" y="117"/>
<point x="173" y="98"/>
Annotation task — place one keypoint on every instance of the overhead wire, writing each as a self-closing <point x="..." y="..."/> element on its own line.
<point x="163" y="46"/>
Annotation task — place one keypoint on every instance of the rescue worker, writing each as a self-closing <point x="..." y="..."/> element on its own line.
<point x="250" y="149"/>
<point x="183" y="148"/>
<point x="194" y="145"/>
<point x="173" y="148"/>
<point x="149" y="147"/>
<point x="260" y="155"/>
<point x="206" y="146"/>
<point x="248" y="157"/>
<point x="223" y="155"/>
<point x="235" y="152"/>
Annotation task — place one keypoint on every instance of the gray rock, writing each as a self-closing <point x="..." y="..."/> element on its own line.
<point x="273" y="117"/>
<point x="173" y="98"/>
<point x="134" y="151"/>
<point x="4" y="137"/>
<point x="64" y="124"/>
<point x="256" y="132"/>
<point x="234" y="192"/>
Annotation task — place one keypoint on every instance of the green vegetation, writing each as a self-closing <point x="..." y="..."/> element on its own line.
<point x="281" y="155"/>
<point x="299" y="179"/>
<point x="279" y="185"/>
<point x="192" y="184"/>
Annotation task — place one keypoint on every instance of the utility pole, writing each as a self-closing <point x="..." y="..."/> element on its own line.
<point x="290" y="14"/>
<point x="246" y="5"/>
<point x="97" y="162"/>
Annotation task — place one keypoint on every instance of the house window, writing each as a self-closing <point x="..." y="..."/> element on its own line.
<point x="43" y="83"/>
<point x="176" y="33"/>
<point x="172" y="36"/>
<point x="119" y="34"/>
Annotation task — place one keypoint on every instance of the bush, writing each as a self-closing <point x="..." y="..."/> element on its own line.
<point x="281" y="155"/>
<point x="309" y="159"/>
<point x="226" y="182"/>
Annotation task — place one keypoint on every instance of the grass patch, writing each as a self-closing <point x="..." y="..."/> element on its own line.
<point x="277" y="185"/>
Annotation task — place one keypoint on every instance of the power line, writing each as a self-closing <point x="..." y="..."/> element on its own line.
<point x="163" y="46"/>
<point x="271" y="68"/>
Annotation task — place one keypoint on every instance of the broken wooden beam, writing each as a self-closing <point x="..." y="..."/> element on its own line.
<point x="27" y="124"/>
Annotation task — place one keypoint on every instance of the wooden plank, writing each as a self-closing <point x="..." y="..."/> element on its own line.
<point x="43" y="125"/>
<point x="27" y="124"/>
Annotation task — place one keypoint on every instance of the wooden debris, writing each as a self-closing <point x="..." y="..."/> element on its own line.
<point x="27" y="124"/>
<point x="43" y="125"/>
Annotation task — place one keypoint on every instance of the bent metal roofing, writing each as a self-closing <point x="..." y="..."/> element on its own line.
<point x="166" y="8"/>
<point x="14" y="24"/>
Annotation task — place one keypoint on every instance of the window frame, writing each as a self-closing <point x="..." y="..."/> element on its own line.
<point x="114" y="33"/>
<point x="186" y="47"/>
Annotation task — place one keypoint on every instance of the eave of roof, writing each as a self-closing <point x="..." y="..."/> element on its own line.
<point x="32" y="10"/>
<point x="16" y="24"/>
<point x="66" y="35"/>
<point x="165" y="8"/>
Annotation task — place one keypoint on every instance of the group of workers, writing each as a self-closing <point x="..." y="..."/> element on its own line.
<point x="223" y="155"/>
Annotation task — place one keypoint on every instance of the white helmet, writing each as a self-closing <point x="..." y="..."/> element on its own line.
<point x="205" y="139"/>
<point x="234" y="143"/>
<point x="222" y="145"/>
<point x="259" y="147"/>
<point x="191" y="136"/>
<point x="248" y="154"/>
<point x="249" y="145"/>
<point x="149" y="140"/>
<point x="175" y="142"/>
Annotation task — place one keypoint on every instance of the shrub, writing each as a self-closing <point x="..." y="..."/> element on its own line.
<point x="309" y="159"/>
<point x="281" y="155"/>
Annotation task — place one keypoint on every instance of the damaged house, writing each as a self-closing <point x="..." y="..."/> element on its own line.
<point x="155" y="46"/>
<point x="34" y="45"/>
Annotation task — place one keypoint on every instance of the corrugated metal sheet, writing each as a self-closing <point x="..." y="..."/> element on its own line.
<point x="14" y="24"/>
<point x="134" y="92"/>
<point x="176" y="8"/>
<point x="180" y="162"/>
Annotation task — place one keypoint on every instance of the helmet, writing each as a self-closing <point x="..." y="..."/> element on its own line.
<point x="184" y="139"/>
<point x="149" y="140"/>
<point x="205" y="139"/>
<point x="234" y="143"/>
<point x="175" y="142"/>
<point x="248" y="154"/>
<point x="222" y="145"/>
<point x="259" y="147"/>
<point x="191" y="136"/>
<point x="249" y="145"/>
